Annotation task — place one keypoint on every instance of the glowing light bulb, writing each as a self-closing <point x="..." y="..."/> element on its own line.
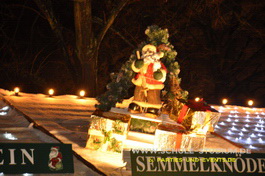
<point x="244" y="129"/>
<point x="16" y="90"/>
<point x="247" y="125"/>
<point x="5" y="108"/>
<point x="82" y="93"/>
<point x="197" y="99"/>
<point x="3" y="113"/>
<point x="250" y="146"/>
<point x="222" y="123"/>
<point x="51" y="92"/>
<point x="9" y="136"/>
<point x="241" y="134"/>
<point x="233" y="128"/>
<point x="252" y="135"/>
<point x="224" y="101"/>
<point x="260" y="140"/>
<point x="260" y="134"/>
<point x="228" y="120"/>
<point x="250" y="102"/>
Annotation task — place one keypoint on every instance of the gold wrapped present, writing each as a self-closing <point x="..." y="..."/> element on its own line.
<point x="175" y="137"/>
<point x="204" y="121"/>
<point x="198" y="117"/>
<point x="193" y="142"/>
<point x="107" y="131"/>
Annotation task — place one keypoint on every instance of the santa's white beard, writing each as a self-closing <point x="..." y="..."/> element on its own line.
<point x="53" y="154"/>
<point x="157" y="65"/>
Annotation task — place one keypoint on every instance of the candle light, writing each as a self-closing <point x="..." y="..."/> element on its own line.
<point x="82" y="93"/>
<point x="197" y="99"/>
<point x="224" y="101"/>
<point x="250" y="102"/>
<point x="51" y="92"/>
<point x="16" y="90"/>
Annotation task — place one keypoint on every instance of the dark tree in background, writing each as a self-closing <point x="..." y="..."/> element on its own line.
<point x="83" y="61"/>
<point x="220" y="43"/>
<point x="224" y="45"/>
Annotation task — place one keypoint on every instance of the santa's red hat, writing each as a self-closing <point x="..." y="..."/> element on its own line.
<point x="55" y="148"/>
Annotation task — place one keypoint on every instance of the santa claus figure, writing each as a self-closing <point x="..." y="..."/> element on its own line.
<point x="55" y="159"/>
<point x="149" y="80"/>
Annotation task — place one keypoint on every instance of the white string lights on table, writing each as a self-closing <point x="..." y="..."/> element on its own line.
<point x="243" y="125"/>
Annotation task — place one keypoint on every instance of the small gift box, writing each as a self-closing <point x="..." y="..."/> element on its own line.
<point x="198" y="117"/>
<point x="204" y="121"/>
<point x="170" y="137"/>
<point x="144" y="125"/>
<point x="193" y="142"/>
<point x="107" y="131"/>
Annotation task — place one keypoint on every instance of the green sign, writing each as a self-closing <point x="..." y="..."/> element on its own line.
<point x="17" y="158"/>
<point x="153" y="163"/>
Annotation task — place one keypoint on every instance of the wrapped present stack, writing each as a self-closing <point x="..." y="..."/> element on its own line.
<point x="189" y="132"/>
<point x="107" y="131"/>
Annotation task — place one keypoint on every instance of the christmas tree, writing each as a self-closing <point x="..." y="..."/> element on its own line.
<point x="120" y="83"/>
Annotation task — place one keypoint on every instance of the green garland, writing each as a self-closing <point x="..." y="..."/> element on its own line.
<point x="117" y="89"/>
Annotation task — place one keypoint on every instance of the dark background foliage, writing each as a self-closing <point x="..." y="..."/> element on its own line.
<point x="220" y="45"/>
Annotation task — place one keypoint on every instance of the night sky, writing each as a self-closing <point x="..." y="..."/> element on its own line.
<point x="220" y="45"/>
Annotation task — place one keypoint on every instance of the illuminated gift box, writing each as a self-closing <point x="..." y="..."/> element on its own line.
<point x="107" y="131"/>
<point x="144" y="125"/>
<point x="198" y="117"/>
<point x="204" y="121"/>
<point x="140" y="122"/>
<point x="169" y="138"/>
